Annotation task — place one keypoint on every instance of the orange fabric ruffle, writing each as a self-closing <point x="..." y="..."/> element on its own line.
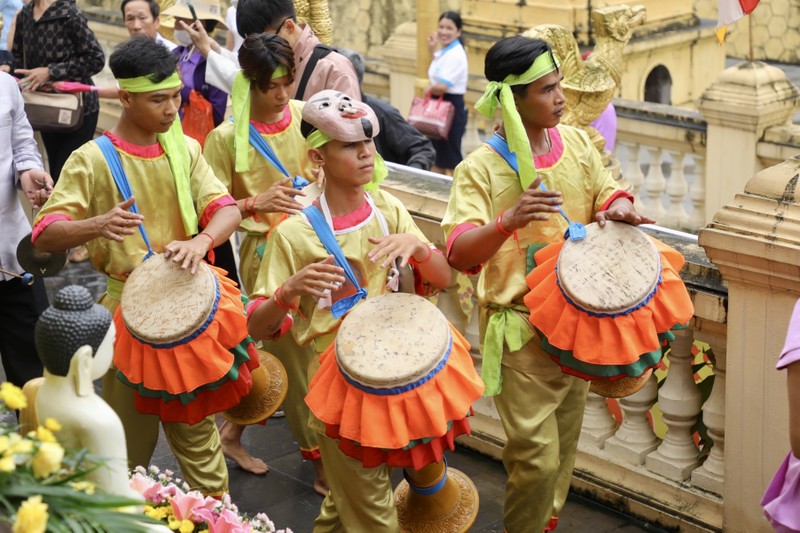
<point x="393" y="421"/>
<point x="419" y="455"/>
<point x="617" y="340"/>
<point x="185" y="367"/>
<point x="207" y="401"/>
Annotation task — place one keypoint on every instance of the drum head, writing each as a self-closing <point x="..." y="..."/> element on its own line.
<point x="392" y="340"/>
<point x="163" y="304"/>
<point x="612" y="271"/>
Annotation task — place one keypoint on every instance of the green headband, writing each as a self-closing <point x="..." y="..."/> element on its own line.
<point x="518" y="141"/>
<point x="142" y="84"/>
<point x="174" y="144"/>
<point x="317" y="139"/>
<point x="240" y="99"/>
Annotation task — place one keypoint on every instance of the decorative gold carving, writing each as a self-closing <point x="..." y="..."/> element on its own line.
<point x="456" y="519"/>
<point x="590" y="85"/>
<point x="319" y="18"/>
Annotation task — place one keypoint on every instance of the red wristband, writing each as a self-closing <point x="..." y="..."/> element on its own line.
<point x="283" y="305"/>
<point x="427" y="258"/>
<point x="498" y="223"/>
<point x="211" y="257"/>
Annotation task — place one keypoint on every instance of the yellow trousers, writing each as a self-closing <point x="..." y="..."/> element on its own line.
<point x="197" y="447"/>
<point x="542" y="410"/>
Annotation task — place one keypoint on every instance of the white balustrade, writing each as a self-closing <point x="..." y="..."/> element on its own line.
<point x="679" y="400"/>
<point x="677" y="187"/>
<point x="635" y="438"/>
<point x="654" y="185"/>
<point x="598" y="424"/>
<point x="711" y="476"/>
<point x="697" y="194"/>
<point x="633" y="171"/>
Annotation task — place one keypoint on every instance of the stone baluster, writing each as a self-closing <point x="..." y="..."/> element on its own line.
<point x="635" y="438"/>
<point x="679" y="400"/>
<point x="697" y="193"/>
<point x="598" y="424"/>
<point x="654" y="185"/>
<point x="633" y="171"/>
<point x="677" y="217"/>
<point x="711" y="476"/>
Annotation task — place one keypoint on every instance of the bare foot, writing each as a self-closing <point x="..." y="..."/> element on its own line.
<point x="230" y="435"/>
<point x="321" y="483"/>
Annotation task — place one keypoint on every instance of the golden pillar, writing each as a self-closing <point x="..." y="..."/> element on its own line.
<point x="427" y="21"/>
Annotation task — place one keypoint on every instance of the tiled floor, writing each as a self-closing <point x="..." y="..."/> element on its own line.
<point x="286" y="492"/>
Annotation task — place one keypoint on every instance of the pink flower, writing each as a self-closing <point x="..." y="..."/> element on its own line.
<point x="184" y="504"/>
<point x="143" y="484"/>
<point x="226" y="522"/>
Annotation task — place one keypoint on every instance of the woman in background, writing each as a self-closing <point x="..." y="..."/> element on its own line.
<point x="448" y="76"/>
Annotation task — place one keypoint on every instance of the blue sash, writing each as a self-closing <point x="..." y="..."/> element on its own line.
<point x="576" y="231"/>
<point x="118" y="173"/>
<point x="328" y="239"/>
<point x="265" y="150"/>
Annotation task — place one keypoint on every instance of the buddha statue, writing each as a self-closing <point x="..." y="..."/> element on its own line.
<point x="75" y="340"/>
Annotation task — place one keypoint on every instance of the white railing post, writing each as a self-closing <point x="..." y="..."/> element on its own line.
<point x="676" y="190"/>
<point x="697" y="193"/>
<point x="635" y="438"/>
<point x="679" y="400"/>
<point x="633" y="170"/>
<point x="598" y="424"/>
<point x="711" y="476"/>
<point x="654" y="184"/>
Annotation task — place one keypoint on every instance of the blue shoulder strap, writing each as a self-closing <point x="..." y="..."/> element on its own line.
<point x="576" y="231"/>
<point x="118" y="173"/>
<point x="328" y="239"/>
<point x="265" y="150"/>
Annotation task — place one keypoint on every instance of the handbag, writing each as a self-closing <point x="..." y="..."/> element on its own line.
<point x="198" y="117"/>
<point x="50" y="111"/>
<point x="433" y="117"/>
<point x="53" y="112"/>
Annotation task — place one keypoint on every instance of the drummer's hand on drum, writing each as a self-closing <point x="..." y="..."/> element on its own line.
<point x="119" y="222"/>
<point x="189" y="253"/>
<point x="314" y="280"/>
<point x="622" y="210"/>
<point x="398" y="245"/>
<point x="534" y="204"/>
<point x="279" y="199"/>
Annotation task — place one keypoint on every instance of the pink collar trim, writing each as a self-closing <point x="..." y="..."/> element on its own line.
<point x="351" y="219"/>
<point x="274" y="127"/>
<point x="556" y="151"/>
<point x="151" y="151"/>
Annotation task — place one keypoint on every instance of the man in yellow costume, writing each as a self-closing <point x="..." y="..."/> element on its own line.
<point x="174" y="191"/>
<point x="557" y="167"/>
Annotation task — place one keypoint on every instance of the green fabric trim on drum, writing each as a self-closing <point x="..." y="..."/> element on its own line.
<point x="240" y="355"/>
<point x="636" y="369"/>
<point x="260" y="250"/>
<point x="530" y="264"/>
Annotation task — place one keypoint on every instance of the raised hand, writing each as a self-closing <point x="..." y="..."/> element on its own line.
<point x="119" y="222"/>
<point x="392" y="247"/>
<point x="314" y="280"/>
<point x="278" y="199"/>
<point x="533" y="204"/>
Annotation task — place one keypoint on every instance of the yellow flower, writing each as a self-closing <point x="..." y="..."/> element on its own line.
<point x="20" y="445"/>
<point x="7" y="464"/>
<point x="173" y="523"/>
<point x="31" y="516"/>
<point x="52" y="424"/>
<point x="187" y="526"/>
<point x="48" y="459"/>
<point x="12" y="396"/>
<point x="83" y="486"/>
<point x="159" y="513"/>
<point x="4" y="443"/>
<point x="45" y="435"/>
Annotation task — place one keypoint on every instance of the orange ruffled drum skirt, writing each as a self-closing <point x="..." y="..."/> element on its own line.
<point x="408" y="429"/>
<point x="595" y="347"/>
<point x="188" y="381"/>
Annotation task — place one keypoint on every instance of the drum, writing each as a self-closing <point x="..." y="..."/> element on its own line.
<point x="395" y="388"/>
<point x="182" y="341"/>
<point x="604" y="305"/>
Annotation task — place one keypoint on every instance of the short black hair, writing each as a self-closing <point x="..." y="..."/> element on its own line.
<point x="258" y="16"/>
<point x="513" y="55"/>
<point x="454" y="16"/>
<point x="155" y="9"/>
<point x="357" y="60"/>
<point x="142" y="56"/>
<point x="261" y="54"/>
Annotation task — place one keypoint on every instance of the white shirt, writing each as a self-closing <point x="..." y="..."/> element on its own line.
<point x="18" y="152"/>
<point x="449" y="66"/>
<point x="230" y="22"/>
<point x="160" y="39"/>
